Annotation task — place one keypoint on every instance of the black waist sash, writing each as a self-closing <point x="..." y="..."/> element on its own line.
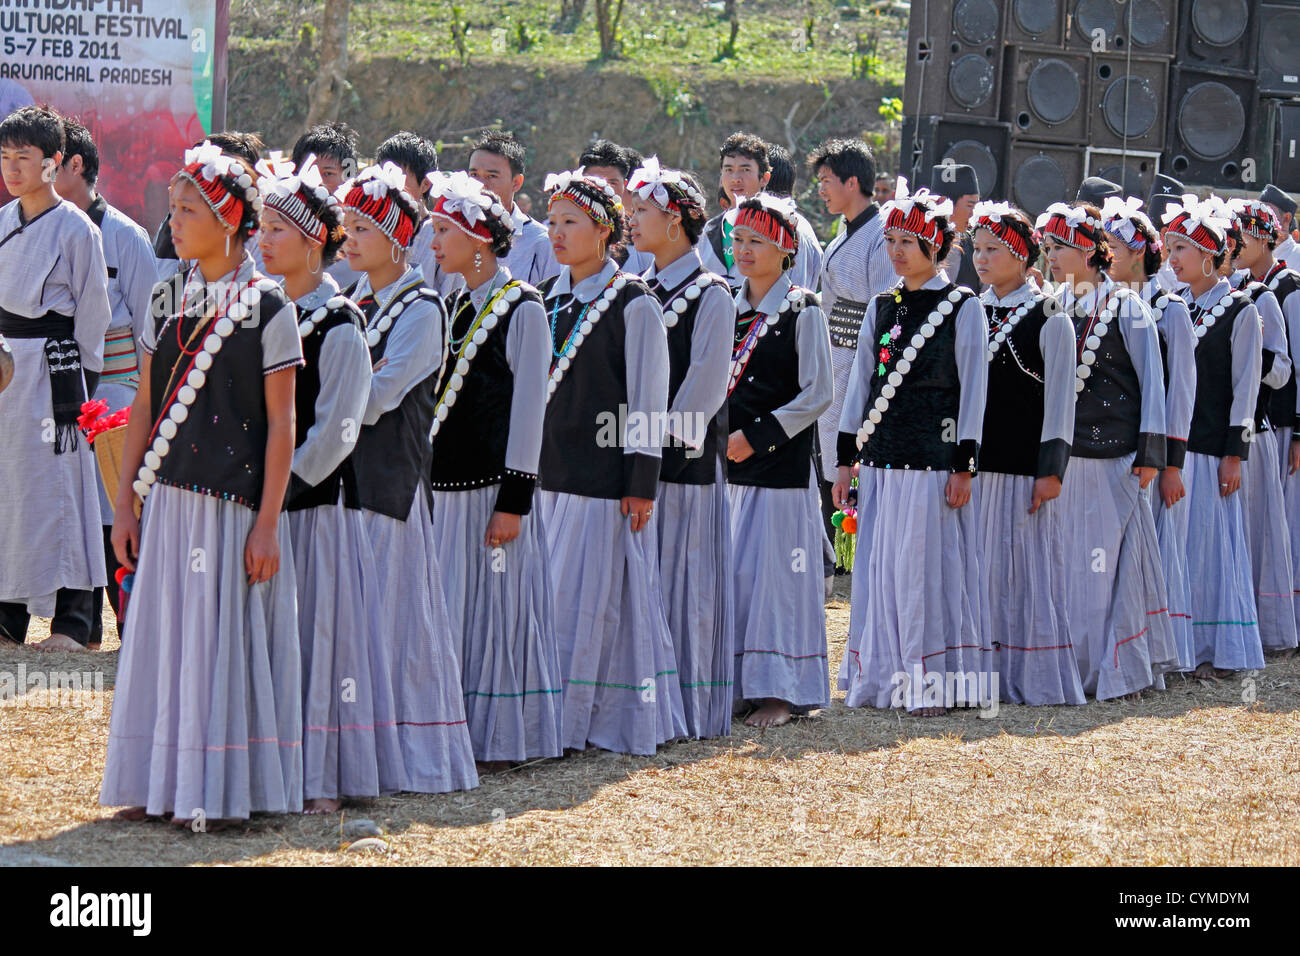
<point x="845" y="322"/>
<point x="67" y="390"/>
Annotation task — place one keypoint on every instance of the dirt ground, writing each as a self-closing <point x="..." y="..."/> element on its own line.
<point x="1203" y="773"/>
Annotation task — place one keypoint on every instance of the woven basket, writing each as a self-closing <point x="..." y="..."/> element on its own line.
<point x="109" y="447"/>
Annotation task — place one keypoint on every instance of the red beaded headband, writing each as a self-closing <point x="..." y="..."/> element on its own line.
<point x="768" y="225"/>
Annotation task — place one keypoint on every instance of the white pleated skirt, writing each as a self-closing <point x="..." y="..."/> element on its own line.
<point x="1116" y="601"/>
<point x="780" y="642"/>
<point x="916" y="635"/>
<point x="501" y="612"/>
<point x="1022" y="565"/>
<point x="621" y="691"/>
<point x="693" y="523"/>
<point x="1268" y="538"/>
<point x="1218" y="567"/>
<point x="207" y="710"/>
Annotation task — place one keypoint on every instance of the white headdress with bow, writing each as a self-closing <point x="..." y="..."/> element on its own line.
<point x="652" y="181"/>
<point x="466" y="196"/>
<point x="1122" y="217"/>
<point x="1074" y="216"/>
<point x="992" y="211"/>
<point x="904" y="202"/>
<point x="1206" y="214"/>
<point x="215" y="162"/>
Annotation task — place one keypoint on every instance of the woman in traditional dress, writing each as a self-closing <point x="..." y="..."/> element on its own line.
<point x="1136" y="249"/>
<point x="1229" y="345"/>
<point x="781" y="381"/>
<point x="1116" y="601"/>
<point x="388" y="479"/>
<point x="1028" y="428"/>
<point x="913" y="416"/>
<point x="207" y="718"/>
<point x="487" y="436"/>
<point x="350" y="742"/>
<point x="1267" y="533"/>
<point x="600" y="463"/>
<point x="692" y="522"/>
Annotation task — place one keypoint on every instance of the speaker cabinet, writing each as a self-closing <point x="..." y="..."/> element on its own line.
<point x="1039" y="22"/>
<point x="1111" y="26"/>
<point x="1129" y="95"/>
<point x="1279" y="50"/>
<point x="1211" y="118"/>
<point x="982" y="145"/>
<point x="1218" y="34"/>
<point x="1133" y="170"/>
<point x="1046" y="94"/>
<point x="1285" y="173"/>
<point x="954" y="50"/>
<point x="1043" y="173"/>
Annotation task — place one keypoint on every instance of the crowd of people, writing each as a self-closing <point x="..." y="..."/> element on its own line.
<point x="415" y="486"/>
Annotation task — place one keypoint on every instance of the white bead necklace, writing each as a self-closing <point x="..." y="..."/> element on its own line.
<point x="577" y="338"/>
<point x="308" y="325"/>
<point x="794" y="299"/>
<point x="1092" y="342"/>
<point x="676" y="307"/>
<point x="197" y="377"/>
<point x="1204" y="319"/>
<point x="904" y="365"/>
<point x="496" y="309"/>
<point x="387" y="313"/>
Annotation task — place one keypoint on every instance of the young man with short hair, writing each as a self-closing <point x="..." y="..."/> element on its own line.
<point x="497" y="161"/>
<point x="132" y="270"/>
<point x="614" y="164"/>
<point x="745" y="169"/>
<point x="418" y="157"/>
<point x="54" y="311"/>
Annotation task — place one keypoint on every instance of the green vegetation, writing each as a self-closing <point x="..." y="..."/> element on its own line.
<point x="806" y="40"/>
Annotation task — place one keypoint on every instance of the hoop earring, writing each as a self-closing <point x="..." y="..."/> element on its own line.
<point x="396" y="254"/>
<point x="671" y="226"/>
<point x="1207" y="267"/>
<point x="600" y="249"/>
<point x="319" y="260"/>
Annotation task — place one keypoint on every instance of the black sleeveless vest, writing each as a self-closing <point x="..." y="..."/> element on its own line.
<point x="1212" y="432"/>
<point x="390" y="464"/>
<point x="698" y="468"/>
<point x="1264" y="400"/>
<point x="1013" y="414"/>
<point x="337" y="311"/>
<point x="220" y="448"/>
<point x="770" y="380"/>
<point x="1281" y="410"/>
<point x="919" y="429"/>
<point x="1108" y="412"/>
<point x="577" y="457"/>
<point x="469" y="450"/>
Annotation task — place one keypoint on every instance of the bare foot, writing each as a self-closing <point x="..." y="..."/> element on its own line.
<point x="929" y="712"/>
<point x="1136" y="695"/>
<point x="1223" y="672"/>
<point x="491" y="766"/>
<point x="131" y="815"/>
<point x="1204" y="671"/>
<point x="773" y="713"/>
<point x="93" y="646"/>
<point x="59" y="642"/>
<point x="321" y="805"/>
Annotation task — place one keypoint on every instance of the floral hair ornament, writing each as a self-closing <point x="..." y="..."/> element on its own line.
<point x="228" y="190"/>
<point x="286" y="190"/>
<point x="651" y="183"/>
<point x="1256" y="218"/>
<point x="1122" y="219"/>
<point x="988" y="215"/>
<point x="597" y="198"/>
<point x="379" y="194"/>
<point x="466" y="204"/>
<point x="1069" y="225"/>
<point x="916" y="213"/>
<point x="1198" y="223"/>
<point x="771" y="217"/>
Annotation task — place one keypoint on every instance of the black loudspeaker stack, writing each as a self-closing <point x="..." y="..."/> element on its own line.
<point x="1039" y="94"/>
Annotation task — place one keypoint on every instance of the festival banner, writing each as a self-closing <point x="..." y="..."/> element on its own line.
<point x="147" y="77"/>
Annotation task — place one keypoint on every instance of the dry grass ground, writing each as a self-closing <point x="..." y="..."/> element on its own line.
<point x="1189" y="776"/>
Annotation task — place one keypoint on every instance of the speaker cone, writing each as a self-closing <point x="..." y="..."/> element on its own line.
<point x="1220" y="22"/>
<point x="1146" y="23"/>
<point x="1036" y="16"/>
<point x="1279" y="47"/>
<point x="978" y="156"/>
<point x="1129" y="107"/>
<point x="1038" y="183"/>
<point x="971" y="80"/>
<point x="1054" y="91"/>
<point x="976" y="21"/>
<point x="1211" y="120"/>
<point x="1093" y="15"/>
